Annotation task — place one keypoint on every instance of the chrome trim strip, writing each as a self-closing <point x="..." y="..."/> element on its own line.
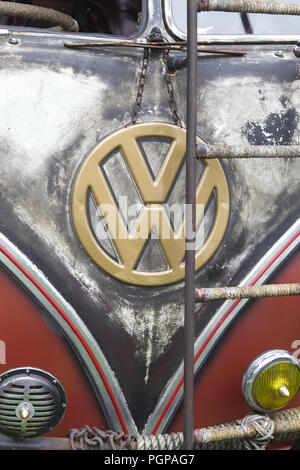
<point x="226" y="306"/>
<point x="224" y="38"/>
<point x="74" y="318"/>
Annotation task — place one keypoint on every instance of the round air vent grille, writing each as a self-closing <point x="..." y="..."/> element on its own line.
<point x="32" y="402"/>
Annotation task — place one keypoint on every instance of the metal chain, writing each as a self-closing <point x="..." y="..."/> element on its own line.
<point x="141" y="87"/>
<point x="171" y="92"/>
<point x="93" y="438"/>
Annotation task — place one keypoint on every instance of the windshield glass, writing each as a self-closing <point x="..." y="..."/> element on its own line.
<point x="236" y="23"/>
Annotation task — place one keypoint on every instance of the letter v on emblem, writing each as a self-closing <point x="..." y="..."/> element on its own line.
<point x="153" y="192"/>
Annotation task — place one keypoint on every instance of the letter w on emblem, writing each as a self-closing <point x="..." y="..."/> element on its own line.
<point x="154" y="193"/>
<point x="129" y="238"/>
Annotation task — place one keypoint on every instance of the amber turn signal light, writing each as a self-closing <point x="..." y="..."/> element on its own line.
<point x="271" y="381"/>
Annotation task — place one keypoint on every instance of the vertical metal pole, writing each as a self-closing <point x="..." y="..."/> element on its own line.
<point x="189" y="331"/>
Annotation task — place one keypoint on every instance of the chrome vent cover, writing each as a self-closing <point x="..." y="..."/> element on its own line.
<point x="35" y="394"/>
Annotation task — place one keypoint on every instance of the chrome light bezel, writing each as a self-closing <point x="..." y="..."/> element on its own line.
<point x="41" y="392"/>
<point x="258" y="366"/>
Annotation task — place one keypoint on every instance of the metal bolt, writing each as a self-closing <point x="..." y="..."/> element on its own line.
<point x="13" y="41"/>
<point x="279" y="54"/>
<point x="297" y="49"/>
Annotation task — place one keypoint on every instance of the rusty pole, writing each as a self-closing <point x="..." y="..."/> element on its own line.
<point x="246" y="292"/>
<point x="250" y="6"/>
<point x="190" y="226"/>
<point x="206" y="152"/>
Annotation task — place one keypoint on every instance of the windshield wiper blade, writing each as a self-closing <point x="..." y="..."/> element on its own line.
<point x="246" y="23"/>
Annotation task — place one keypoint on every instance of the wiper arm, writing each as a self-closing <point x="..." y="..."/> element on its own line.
<point x="246" y="23"/>
<point x="167" y="46"/>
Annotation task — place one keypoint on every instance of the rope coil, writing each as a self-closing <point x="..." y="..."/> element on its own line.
<point x="264" y="431"/>
<point x="253" y="432"/>
<point x="53" y="18"/>
<point x="173" y="441"/>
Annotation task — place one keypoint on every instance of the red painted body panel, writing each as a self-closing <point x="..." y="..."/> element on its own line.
<point x="31" y="340"/>
<point x="270" y="323"/>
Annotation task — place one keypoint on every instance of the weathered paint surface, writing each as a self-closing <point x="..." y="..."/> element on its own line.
<point x="31" y="338"/>
<point x="58" y="104"/>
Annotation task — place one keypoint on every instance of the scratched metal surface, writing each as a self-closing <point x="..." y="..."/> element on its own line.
<point x="57" y="104"/>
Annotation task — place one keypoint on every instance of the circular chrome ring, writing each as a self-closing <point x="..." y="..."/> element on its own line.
<point x="257" y="366"/>
<point x="33" y="400"/>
